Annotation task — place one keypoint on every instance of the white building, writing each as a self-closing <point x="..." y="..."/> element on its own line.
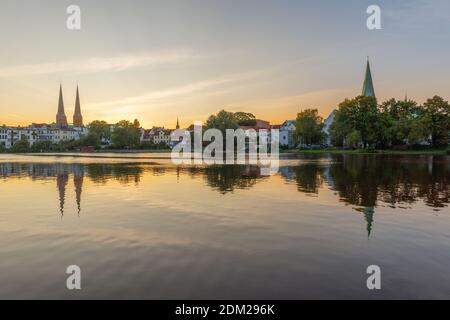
<point x="162" y="136"/>
<point x="327" y="125"/>
<point x="287" y="132"/>
<point x="39" y="132"/>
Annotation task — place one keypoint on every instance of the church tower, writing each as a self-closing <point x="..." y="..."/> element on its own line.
<point x="77" y="117"/>
<point x="178" y="124"/>
<point x="61" y="119"/>
<point x="368" y="90"/>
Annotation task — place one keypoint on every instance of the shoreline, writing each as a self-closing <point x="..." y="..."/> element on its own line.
<point x="291" y="151"/>
<point x="365" y="152"/>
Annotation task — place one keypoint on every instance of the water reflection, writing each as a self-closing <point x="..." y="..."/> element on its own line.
<point x="365" y="182"/>
<point x="229" y="177"/>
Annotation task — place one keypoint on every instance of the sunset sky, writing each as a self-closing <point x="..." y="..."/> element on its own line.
<point x="159" y="60"/>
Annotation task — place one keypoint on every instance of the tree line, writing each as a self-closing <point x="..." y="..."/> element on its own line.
<point x="362" y="123"/>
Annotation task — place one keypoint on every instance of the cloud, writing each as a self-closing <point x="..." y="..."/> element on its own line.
<point x="214" y="86"/>
<point x="98" y="64"/>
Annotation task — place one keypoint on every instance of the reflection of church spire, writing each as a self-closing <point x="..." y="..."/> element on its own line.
<point x="78" y="182"/>
<point x="368" y="215"/>
<point x="61" y="183"/>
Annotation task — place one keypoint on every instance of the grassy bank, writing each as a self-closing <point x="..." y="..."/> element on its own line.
<point x="361" y="151"/>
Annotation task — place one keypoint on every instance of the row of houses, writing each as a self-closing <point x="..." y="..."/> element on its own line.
<point x="39" y="132"/>
<point x="156" y="135"/>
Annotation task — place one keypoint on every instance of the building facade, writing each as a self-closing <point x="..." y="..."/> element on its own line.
<point x="54" y="133"/>
<point x="287" y="134"/>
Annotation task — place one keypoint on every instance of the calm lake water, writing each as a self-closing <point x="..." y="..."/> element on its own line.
<point x="140" y="227"/>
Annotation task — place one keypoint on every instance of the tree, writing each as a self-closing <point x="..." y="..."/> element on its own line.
<point x="244" y="118"/>
<point x="360" y="114"/>
<point x="21" y="146"/>
<point x="309" y="127"/>
<point x="417" y="132"/>
<point x="41" y="146"/>
<point x="398" y="118"/>
<point x="125" y="135"/>
<point x="436" y="120"/>
<point x="222" y="121"/>
<point x="101" y="129"/>
<point x="353" y="139"/>
<point x="90" y="140"/>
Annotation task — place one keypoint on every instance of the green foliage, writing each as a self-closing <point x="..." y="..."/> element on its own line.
<point x="359" y="114"/>
<point x="222" y="121"/>
<point x="309" y="127"/>
<point x="42" y="146"/>
<point x="2" y="148"/>
<point x="244" y="118"/>
<point x="21" y="146"/>
<point x="126" y="135"/>
<point x="65" y="145"/>
<point x="90" y="140"/>
<point x="447" y="151"/>
<point x="392" y="124"/>
<point x="436" y="120"/>
<point x="353" y="139"/>
<point x="101" y="129"/>
<point x="148" y="145"/>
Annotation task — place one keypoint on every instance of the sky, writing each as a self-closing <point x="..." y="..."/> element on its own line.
<point x="159" y="60"/>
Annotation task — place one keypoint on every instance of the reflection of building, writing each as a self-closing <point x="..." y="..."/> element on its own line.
<point x="78" y="177"/>
<point x="368" y="215"/>
<point x="61" y="183"/>
<point x="62" y="180"/>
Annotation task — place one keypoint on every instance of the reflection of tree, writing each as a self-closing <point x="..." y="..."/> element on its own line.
<point x="308" y="177"/>
<point x="363" y="180"/>
<point x="226" y="178"/>
<point x="101" y="173"/>
<point x="356" y="180"/>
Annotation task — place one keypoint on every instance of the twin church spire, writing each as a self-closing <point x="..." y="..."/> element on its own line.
<point x="61" y="119"/>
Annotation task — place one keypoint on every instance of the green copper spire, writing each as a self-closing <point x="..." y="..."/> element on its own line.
<point x="368" y="90"/>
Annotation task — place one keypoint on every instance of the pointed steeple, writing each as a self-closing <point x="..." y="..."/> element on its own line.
<point x="61" y="119"/>
<point x="77" y="117"/>
<point x="368" y="90"/>
<point x="178" y="124"/>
